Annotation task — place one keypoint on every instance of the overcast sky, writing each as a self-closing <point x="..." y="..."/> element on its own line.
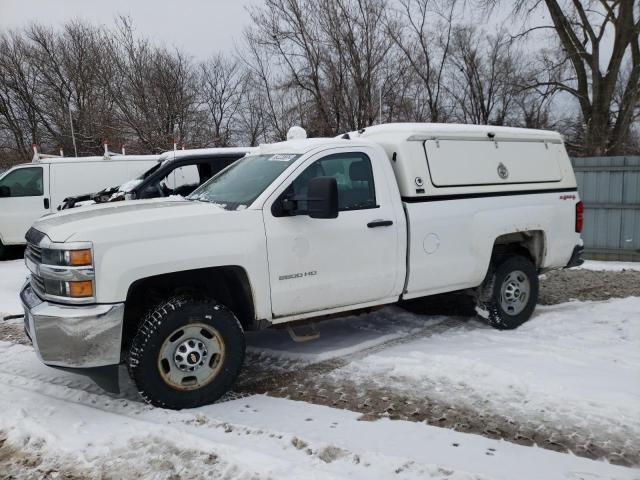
<point x="200" y="27"/>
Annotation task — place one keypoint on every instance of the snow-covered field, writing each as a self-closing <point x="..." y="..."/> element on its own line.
<point x="609" y="266"/>
<point x="574" y="366"/>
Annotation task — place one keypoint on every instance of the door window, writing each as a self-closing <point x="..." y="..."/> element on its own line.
<point x="24" y="182"/>
<point x="181" y="181"/>
<point x="353" y="174"/>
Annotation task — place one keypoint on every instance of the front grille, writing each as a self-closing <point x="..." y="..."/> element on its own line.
<point x="33" y="252"/>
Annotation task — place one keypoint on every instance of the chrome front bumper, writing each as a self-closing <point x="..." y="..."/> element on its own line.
<point x="73" y="336"/>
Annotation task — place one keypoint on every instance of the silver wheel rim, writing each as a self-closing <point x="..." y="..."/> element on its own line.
<point x="515" y="292"/>
<point x="191" y="356"/>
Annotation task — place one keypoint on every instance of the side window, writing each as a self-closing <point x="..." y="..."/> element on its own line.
<point x="24" y="182"/>
<point x="181" y="181"/>
<point x="353" y="174"/>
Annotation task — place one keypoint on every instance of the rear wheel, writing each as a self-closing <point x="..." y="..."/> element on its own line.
<point x="509" y="293"/>
<point x="186" y="353"/>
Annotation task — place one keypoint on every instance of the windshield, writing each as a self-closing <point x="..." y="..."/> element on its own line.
<point x="150" y="171"/>
<point x="238" y="185"/>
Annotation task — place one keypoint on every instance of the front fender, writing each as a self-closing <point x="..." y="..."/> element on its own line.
<point x="120" y="264"/>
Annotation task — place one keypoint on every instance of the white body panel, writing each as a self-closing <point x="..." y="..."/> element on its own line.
<point x="64" y="177"/>
<point x="18" y="213"/>
<point x="441" y="238"/>
<point x="68" y="179"/>
<point x="313" y="261"/>
<point x="473" y="162"/>
<point x="452" y="240"/>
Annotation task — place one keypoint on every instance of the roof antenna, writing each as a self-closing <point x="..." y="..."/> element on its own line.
<point x="345" y="137"/>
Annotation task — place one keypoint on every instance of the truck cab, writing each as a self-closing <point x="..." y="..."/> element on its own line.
<point x="296" y="230"/>
<point x="178" y="172"/>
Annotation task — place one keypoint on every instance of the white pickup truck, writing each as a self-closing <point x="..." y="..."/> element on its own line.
<point x="301" y="229"/>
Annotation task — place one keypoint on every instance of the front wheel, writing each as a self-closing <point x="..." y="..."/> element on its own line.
<point x="186" y="353"/>
<point x="509" y="293"/>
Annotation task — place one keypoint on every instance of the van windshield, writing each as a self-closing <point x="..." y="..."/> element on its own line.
<point x="238" y="185"/>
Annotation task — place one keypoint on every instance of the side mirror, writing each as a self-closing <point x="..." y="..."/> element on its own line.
<point x="322" y="197"/>
<point x="5" y="191"/>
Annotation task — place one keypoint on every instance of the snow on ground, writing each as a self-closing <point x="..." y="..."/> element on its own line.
<point x="575" y="364"/>
<point x="69" y="424"/>
<point x="342" y="336"/>
<point x="609" y="266"/>
<point x="12" y="275"/>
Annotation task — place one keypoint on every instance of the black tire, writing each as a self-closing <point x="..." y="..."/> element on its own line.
<point x="161" y="323"/>
<point x="489" y="298"/>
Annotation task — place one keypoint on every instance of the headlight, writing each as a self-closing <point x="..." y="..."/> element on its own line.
<point x="67" y="258"/>
<point x="65" y="273"/>
<point x="74" y="289"/>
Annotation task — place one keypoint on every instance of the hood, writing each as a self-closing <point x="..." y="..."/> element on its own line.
<point x="128" y="219"/>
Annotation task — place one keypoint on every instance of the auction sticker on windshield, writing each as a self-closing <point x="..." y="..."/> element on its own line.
<point x="282" y="158"/>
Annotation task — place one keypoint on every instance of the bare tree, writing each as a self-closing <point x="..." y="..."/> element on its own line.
<point x="153" y="88"/>
<point x="589" y="73"/>
<point x="484" y="76"/>
<point x="426" y="44"/>
<point x="19" y="113"/>
<point x="222" y="84"/>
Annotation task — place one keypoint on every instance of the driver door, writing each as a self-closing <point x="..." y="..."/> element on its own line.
<point x="318" y="264"/>
<point x="28" y="200"/>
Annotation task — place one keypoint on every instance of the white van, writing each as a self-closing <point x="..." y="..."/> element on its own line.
<point x="31" y="190"/>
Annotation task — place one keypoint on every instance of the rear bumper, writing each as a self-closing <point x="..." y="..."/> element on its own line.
<point x="86" y="336"/>
<point x="576" y="257"/>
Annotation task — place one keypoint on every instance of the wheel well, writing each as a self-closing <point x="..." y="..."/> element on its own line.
<point x="530" y="244"/>
<point x="228" y="285"/>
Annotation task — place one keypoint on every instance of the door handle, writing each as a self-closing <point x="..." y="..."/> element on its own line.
<point x="379" y="223"/>
<point x="46" y="203"/>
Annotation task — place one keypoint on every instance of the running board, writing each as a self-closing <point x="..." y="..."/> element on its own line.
<point x="313" y="334"/>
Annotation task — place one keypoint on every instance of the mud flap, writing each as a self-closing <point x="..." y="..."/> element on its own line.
<point x="311" y="334"/>
<point x="576" y="257"/>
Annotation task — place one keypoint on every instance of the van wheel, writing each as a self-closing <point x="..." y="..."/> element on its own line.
<point x="187" y="353"/>
<point x="509" y="293"/>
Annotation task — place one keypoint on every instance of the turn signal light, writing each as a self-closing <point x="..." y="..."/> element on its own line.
<point x="81" y="289"/>
<point x="579" y="216"/>
<point x="78" y="258"/>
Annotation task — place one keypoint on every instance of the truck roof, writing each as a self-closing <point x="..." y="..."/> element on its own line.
<point x="402" y="132"/>
<point x="201" y="152"/>
<point x="95" y="158"/>
<point x="424" y="131"/>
